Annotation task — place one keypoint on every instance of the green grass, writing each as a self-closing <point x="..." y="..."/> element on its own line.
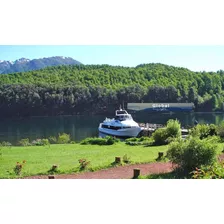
<point x="39" y="159"/>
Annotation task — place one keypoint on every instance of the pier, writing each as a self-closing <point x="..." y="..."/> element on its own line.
<point x="148" y="129"/>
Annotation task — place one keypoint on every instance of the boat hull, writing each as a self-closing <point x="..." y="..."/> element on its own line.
<point x="129" y="132"/>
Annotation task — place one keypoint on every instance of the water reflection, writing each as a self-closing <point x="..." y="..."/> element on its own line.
<point x="80" y="127"/>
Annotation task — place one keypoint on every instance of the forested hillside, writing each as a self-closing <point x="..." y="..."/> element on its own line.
<point x="76" y="89"/>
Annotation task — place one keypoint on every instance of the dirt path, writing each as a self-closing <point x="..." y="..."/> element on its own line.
<point x="121" y="172"/>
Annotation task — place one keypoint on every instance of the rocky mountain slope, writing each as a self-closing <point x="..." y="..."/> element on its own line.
<point x="24" y="64"/>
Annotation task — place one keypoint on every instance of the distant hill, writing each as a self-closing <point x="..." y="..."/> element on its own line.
<point x="24" y="64"/>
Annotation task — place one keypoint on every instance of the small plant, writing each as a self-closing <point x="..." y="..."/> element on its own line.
<point x="24" y="142"/>
<point x="126" y="159"/>
<point x="18" y="168"/>
<point x="63" y="138"/>
<point x="83" y="164"/>
<point x="54" y="169"/>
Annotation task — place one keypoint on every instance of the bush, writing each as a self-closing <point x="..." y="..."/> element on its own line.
<point x="191" y="154"/>
<point x="108" y="140"/>
<point x="212" y="129"/>
<point x="45" y="141"/>
<point x="220" y="130"/>
<point x="24" y="142"/>
<point x="160" y="136"/>
<point x="201" y="131"/>
<point x="63" y="138"/>
<point x="216" y="171"/>
<point x="173" y="129"/>
<point x="40" y="142"/>
<point x="54" y="169"/>
<point x="52" y="140"/>
<point x="147" y="141"/>
<point x="165" y="135"/>
<point x="6" y="144"/>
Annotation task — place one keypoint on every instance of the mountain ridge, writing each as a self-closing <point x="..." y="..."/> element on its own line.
<point x="25" y="64"/>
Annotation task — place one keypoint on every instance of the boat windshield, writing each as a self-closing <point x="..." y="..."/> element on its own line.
<point x="123" y="117"/>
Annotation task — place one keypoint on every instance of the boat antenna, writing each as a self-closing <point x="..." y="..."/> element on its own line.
<point x="123" y="105"/>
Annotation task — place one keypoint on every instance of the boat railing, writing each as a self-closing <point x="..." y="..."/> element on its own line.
<point x="149" y="125"/>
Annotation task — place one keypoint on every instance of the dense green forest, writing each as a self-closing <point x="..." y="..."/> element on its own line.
<point x="74" y="89"/>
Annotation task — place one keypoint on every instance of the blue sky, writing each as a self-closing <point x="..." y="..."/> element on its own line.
<point x="195" y="58"/>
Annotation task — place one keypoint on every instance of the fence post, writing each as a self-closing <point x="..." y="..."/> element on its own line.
<point x="136" y="173"/>
<point x="117" y="159"/>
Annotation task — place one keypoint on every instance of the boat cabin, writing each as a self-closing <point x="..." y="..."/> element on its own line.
<point x="122" y="115"/>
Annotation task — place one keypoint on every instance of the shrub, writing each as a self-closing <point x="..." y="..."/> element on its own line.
<point x="220" y="130"/>
<point x="191" y="154"/>
<point x="6" y="144"/>
<point x="147" y="141"/>
<point x="216" y="171"/>
<point x="36" y="142"/>
<point x="160" y="136"/>
<point x="18" y="168"/>
<point x="52" y="140"/>
<point x="40" y="142"/>
<point x="201" y="130"/>
<point x="165" y="135"/>
<point x="63" y="138"/>
<point x="212" y="129"/>
<point x="173" y="129"/>
<point x="108" y="140"/>
<point x="83" y="164"/>
<point x="24" y="142"/>
<point x="45" y="141"/>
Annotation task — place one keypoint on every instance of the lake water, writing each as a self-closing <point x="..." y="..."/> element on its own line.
<point x="80" y="127"/>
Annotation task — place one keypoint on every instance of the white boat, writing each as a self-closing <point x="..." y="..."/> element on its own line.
<point x="122" y="125"/>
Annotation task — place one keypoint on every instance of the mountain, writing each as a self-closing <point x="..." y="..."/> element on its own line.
<point x="24" y="64"/>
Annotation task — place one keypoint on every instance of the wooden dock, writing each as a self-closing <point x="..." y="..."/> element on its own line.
<point x="148" y="129"/>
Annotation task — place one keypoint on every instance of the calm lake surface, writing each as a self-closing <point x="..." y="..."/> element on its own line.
<point x="80" y="127"/>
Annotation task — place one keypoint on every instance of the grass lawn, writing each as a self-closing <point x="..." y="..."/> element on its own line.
<point x="39" y="159"/>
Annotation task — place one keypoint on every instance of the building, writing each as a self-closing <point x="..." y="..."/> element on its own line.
<point x="155" y="107"/>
